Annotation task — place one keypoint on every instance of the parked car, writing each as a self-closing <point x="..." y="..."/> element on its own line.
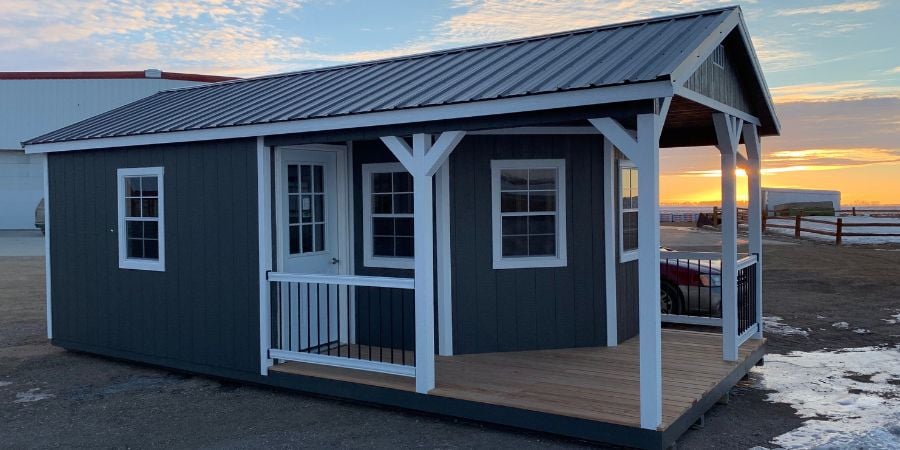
<point x="690" y="286"/>
<point x="39" y="216"/>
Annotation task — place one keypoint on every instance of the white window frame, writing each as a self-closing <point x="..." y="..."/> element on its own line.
<point x="524" y="262"/>
<point x="369" y="259"/>
<point x="158" y="265"/>
<point x="625" y="255"/>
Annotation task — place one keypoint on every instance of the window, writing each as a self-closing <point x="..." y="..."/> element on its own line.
<point x="628" y="210"/>
<point x="141" y="223"/>
<point x="387" y="216"/>
<point x="529" y="213"/>
<point x="306" y="208"/>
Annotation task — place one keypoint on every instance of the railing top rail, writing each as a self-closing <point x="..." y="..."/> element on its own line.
<point x="713" y="256"/>
<point x="343" y="280"/>
<point x="746" y="261"/>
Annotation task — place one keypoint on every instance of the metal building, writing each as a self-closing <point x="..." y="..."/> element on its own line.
<point x="33" y="103"/>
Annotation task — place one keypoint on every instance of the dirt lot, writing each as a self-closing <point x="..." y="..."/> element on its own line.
<point x="50" y="397"/>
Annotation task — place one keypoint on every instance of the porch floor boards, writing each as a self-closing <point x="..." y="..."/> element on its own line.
<point x="593" y="383"/>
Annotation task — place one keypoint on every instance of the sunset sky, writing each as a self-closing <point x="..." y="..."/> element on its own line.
<point x="833" y="66"/>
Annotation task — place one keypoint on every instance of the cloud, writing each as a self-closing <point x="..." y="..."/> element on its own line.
<point x="844" y="7"/>
<point x="815" y="160"/>
<point x="829" y="92"/>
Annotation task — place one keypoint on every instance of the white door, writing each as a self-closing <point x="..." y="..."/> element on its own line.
<point x="308" y="227"/>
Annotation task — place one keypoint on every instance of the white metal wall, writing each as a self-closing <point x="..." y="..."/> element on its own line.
<point x="29" y="108"/>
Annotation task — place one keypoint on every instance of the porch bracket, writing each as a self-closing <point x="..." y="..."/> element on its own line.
<point x="642" y="148"/>
<point x="728" y="135"/>
<point x="755" y="211"/>
<point x="423" y="160"/>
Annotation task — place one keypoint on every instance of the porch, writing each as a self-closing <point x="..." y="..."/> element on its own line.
<point x="600" y="386"/>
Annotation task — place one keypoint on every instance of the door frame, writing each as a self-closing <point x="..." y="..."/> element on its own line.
<point x="342" y="194"/>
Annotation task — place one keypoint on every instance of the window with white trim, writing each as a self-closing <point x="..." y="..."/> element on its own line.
<point x="388" y="239"/>
<point x="628" y="210"/>
<point x="141" y="218"/>
<point x="529" y="213"/>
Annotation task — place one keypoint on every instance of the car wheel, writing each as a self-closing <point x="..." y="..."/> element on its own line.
<point x="670" y="300"/>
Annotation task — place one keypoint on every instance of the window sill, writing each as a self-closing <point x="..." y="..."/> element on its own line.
<point x="529" y="263"/>
<point x="133" y="264"/>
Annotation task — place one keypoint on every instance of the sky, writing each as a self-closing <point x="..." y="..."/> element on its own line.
<point x="833" y="66"/>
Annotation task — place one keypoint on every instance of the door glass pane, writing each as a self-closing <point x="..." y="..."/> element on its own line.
<point x="306" y="206"/>
<point x="294" y="234"/>
<point x="306" y="239"/>
<point x="293" y="180"/>
<point x="318" y="181"/>
<point x="319" y="208"/>
<point x="305" y="178"/>
<point x="320" y="238"/>
<point x="293" y="208"/>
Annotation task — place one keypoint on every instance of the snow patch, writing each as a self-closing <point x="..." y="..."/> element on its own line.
<point x="5" y="383"/>
<point x="851" y="396"/>
<point x="774" y="325"/>
<point x="32" y="395"/>
<point x="841" y="325"/>
<point x="861" y="331"/>
<point x="894" y="321"/>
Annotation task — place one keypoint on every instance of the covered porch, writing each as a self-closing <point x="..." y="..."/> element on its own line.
<point x="597" y="387"/>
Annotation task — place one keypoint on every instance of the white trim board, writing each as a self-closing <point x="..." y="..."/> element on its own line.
<point x="264" y="230"/>
<point x="585" y="97"/>
<point x="47" y="255"/>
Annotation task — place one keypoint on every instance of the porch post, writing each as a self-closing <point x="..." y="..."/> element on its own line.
<point x="644" y="152"/>
<point x="728" y="130"/>
<point x="609" y="239"/>
<point x="754" y="210"/>
<point x="422" y="161"/>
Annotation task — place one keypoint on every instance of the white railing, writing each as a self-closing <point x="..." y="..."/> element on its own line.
<point x="693" y="282"/>
<point x="357" y="322"/>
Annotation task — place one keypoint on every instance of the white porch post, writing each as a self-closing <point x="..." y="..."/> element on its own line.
<point x="644" y="152"/>
<point x="728" y="129"/>
<point x="754" y="210"/>
<point x="422" y="161"/>
<point x="609" y="238"/>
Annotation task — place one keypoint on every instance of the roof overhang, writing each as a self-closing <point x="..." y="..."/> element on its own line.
<point x="485" y="108"/>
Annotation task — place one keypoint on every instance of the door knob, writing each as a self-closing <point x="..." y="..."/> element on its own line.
<point x="335" y="260"/>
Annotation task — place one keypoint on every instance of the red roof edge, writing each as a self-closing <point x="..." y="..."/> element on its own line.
<point x="112" y="75"/>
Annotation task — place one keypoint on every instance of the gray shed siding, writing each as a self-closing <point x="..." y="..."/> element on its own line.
<point x="526" y="309"/>
<point x="721" y="83"/>
<point x="195" y="315"/>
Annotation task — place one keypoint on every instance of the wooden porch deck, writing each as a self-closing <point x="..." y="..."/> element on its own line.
<point x="596" y="384"/>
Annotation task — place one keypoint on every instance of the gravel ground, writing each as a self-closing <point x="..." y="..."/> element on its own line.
<point x="53" y="398"/>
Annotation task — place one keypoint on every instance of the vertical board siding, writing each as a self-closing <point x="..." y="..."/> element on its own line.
<point x="720" y="83"/>
<point x="527" y="309"/>
<point x="627" y="300"/>
<point x="196" y="311"/>
<point x="382" y="314"/>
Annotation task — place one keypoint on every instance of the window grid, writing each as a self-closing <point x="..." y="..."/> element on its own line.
<point x="142" y="217"/>
<point x="392" y="214"/>
<point x="527" y="221"/>
<point x="306" y="208"/>
<point x="628" y="207"/>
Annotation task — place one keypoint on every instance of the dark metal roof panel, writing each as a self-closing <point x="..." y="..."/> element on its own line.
<point x="603" y="56"/>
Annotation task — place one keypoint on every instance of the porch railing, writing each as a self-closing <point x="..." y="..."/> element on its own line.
<point x="358" y="322"/>
<point x="692" y="284"/>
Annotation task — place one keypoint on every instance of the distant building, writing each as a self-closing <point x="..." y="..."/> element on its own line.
<point x="34" y="103"/>
<point x="779" y="201"/>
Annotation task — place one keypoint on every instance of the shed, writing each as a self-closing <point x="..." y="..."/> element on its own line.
<point x="470" y="232"/>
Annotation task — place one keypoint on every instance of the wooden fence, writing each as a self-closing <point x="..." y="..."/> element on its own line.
<point x="838" y="232"/>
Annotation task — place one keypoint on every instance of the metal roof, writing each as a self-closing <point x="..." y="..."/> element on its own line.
<point x="634" y="52"/>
